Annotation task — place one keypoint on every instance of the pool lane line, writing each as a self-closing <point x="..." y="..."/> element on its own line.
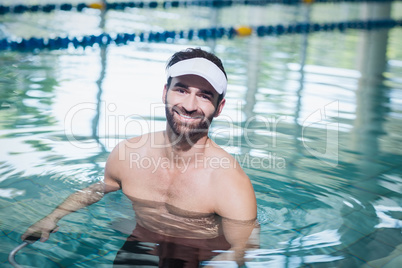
<point x="104" y="39"/>
<point x="47" y="8"/>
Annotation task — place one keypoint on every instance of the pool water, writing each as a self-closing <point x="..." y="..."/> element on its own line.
<point x="314" y="119"/>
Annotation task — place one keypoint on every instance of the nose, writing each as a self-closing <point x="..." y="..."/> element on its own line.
<point x="190" y="103"/>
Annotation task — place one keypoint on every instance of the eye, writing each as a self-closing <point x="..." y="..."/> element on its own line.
<point x="180" y="90"/>
<point x="206" y="96"/>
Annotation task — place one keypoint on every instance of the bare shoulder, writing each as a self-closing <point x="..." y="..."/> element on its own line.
<point x="122" y="151"/>
<point x="232" y="189"/>
<point x="118" y="162"/>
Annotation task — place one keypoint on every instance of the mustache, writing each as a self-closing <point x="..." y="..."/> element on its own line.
<point x="182" y="111"/>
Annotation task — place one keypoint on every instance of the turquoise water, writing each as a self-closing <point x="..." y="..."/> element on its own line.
<point x="315" y="120"/>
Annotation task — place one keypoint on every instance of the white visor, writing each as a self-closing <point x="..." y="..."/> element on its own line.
<point x="201" y="67"/>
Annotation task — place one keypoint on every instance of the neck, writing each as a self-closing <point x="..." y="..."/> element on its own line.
<point x="184" y="146"/>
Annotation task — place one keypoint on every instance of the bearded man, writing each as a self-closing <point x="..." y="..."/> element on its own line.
<point x="197" y="206"/>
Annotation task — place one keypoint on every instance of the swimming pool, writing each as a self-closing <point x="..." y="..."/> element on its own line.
<point x="314" y="119"/>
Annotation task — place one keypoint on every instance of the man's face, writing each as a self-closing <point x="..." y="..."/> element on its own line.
<point x="191" y="104"/>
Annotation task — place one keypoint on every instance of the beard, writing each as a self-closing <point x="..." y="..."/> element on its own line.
<point x="191" y="131"/>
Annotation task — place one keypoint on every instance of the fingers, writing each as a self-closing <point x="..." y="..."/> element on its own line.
<point x="30" y="232"/>
<point x="37" y="231"/>
<point x="31" y="236"/>
<point x="44" y="237"/>
<point x="24" y="236"/>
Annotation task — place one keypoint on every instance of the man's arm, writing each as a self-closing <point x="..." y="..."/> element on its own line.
<point x="236" y="204"/>
<point x="76" y="201"/>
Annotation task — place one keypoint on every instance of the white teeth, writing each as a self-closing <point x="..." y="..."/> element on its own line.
<point x="188" y="117"/>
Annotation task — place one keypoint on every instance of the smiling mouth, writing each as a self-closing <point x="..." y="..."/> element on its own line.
<point x="188" y="117"/>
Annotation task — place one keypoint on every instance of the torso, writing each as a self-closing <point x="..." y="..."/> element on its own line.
<point x="168" y="196"/>
<point x="163" y="218"/>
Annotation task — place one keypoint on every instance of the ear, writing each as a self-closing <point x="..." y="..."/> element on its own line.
<point x="165" y="89"/>
<point x="219" y="108"/>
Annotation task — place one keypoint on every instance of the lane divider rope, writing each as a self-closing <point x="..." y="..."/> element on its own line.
<point x="21" y="8"/>
<point x="104" y="39"/>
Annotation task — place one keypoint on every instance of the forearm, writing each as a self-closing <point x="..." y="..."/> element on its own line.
<point x="74" y="202"/>
<point x="243" y="236"/>
<point x="78" y="200"/>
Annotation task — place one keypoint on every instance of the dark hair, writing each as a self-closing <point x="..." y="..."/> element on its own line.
<point x="190" y="53"/>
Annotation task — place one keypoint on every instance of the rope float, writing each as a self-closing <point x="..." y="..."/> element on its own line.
<point x="105" y="39"/>
<point x="19" y="9"/>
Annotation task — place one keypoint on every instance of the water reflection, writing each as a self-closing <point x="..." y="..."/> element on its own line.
<point x="26" y="92"/>
<point x="311" y="213"/>
<point x="358" y="212"/>
<point x="168" y="236"/>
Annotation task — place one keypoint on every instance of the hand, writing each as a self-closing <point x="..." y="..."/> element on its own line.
<point x="224" y="259"/>
<point x="41" y="229"/>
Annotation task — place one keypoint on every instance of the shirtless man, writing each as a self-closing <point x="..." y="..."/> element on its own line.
<point x="195" y="179"/>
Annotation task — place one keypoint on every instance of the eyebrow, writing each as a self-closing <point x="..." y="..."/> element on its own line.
<point x="203" y="91"/>
<point x="207" y="92"/>
<point x="179" y="84"/>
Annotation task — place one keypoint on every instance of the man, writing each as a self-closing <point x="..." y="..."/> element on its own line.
<point x="196" y="194"/>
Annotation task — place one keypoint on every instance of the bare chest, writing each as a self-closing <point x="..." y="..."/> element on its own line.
<point x="187" y="190"/>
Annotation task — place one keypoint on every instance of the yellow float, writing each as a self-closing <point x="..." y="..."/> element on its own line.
<point x="96" y="5"/>
<point x="244" y="31"/>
